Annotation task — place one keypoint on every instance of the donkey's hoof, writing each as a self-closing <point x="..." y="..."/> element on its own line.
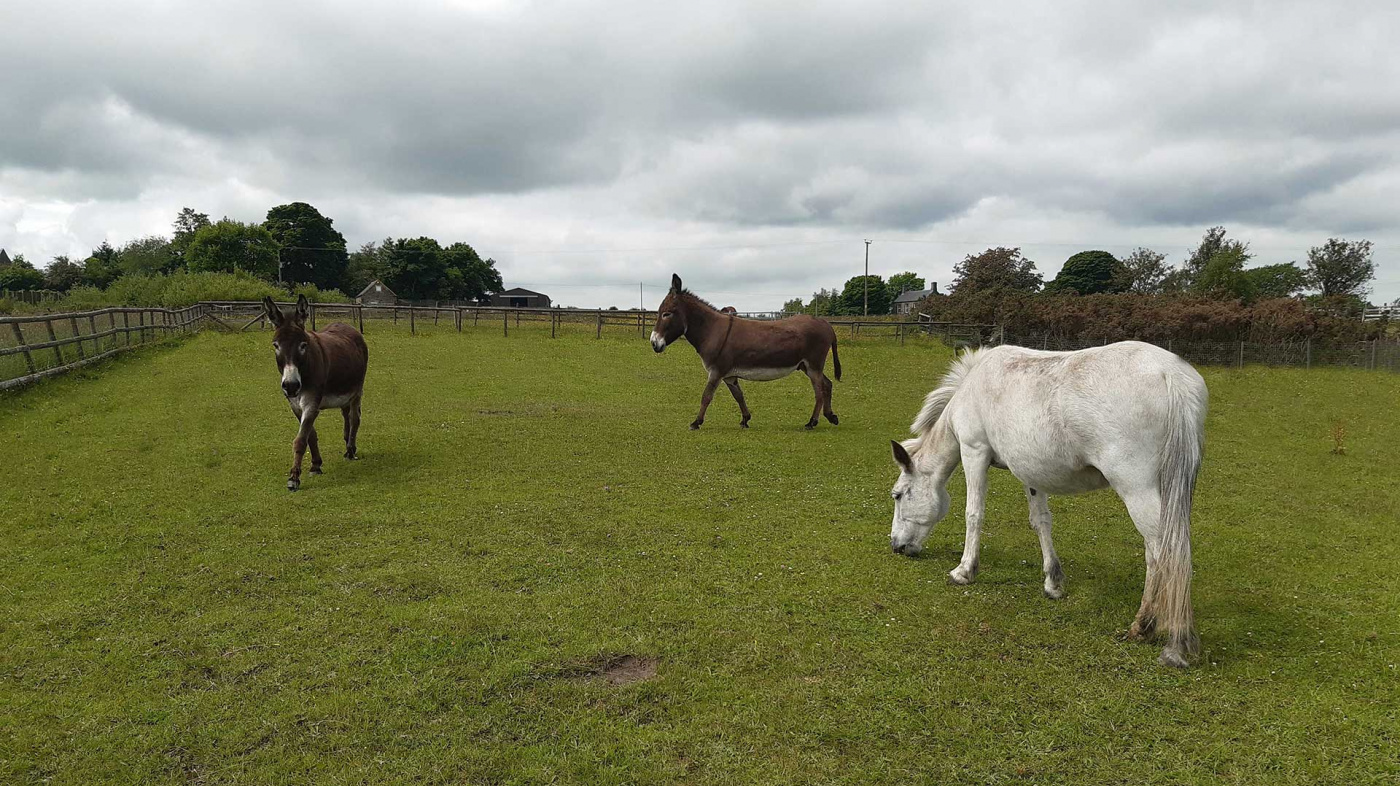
<point x="352" y="456"/>
<point x="811" y="424"/>
<point x="293" y="485"/>
<point x="744" y="424"/>
<point x="835" y="421"/>
<point x="696" y="425"/>
<point x="1173" y="659"/>
<point x="315" y="470"/>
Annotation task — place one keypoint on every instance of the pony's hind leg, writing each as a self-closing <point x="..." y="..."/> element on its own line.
<point x="1145" y="508"/>
<point x="733" y="385"/>
<point x="1050" y="562"/>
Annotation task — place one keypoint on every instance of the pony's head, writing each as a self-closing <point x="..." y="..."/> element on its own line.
<point x="920" y="500"/>
<point x="670" y="318"/>
<point x="289" y="341"/>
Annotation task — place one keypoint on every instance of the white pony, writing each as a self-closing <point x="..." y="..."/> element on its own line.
<point x="1130" y="416"/>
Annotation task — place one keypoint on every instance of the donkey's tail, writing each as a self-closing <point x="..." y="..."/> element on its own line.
<point x="835" y="358"/>
<point x="1181" y="460"/>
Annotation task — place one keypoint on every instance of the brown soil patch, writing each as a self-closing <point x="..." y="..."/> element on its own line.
<point x="624" y="669"/>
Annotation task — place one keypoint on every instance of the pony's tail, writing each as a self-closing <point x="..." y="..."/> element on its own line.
<point x="1181" y="460"/>
<point x="835" y="358"/>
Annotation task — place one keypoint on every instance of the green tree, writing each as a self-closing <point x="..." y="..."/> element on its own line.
<point x="904" y="282"/>
<point x="823" y="303"/>
<point x="229" y="246"/>
<point x="995" y="269"/>
<point x="467" y="276"/>
<point x="793" y="306"/>
<point x="186" y="224"/>
<point x="853" y="296"/>
<point x="1223" y="275"/>
<point x="1275" y="281"/>
<point x="363" y="266"/>
<point x="1141" y="272"/>
<point x="1341" y="267"/>
<point x="413" y="267"/>
<point x="1087" y="273"/>
<point x="312" y="251"/>
<point x="148" y="255"/>
<point x="1187" y="278"/>
<point x="20" y="274"/>
<point x="63" y="274"/>
<point x="101" y="267"/>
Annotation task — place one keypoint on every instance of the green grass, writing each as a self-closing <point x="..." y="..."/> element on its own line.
<point x="527" y="508"/>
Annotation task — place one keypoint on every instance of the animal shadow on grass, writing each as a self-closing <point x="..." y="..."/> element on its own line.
<point x="393" y="464"/>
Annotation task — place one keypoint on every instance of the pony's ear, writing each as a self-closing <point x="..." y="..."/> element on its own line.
<point x="274" y="314"/>
<point x="901" y="456"/>
<point x="303" y="308"/>
<point x="675" y="283"/>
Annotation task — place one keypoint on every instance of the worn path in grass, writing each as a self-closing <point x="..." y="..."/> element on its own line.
<point x="529" y="511"/>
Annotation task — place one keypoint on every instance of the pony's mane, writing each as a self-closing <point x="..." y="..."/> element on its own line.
<point x="937" y="401"/>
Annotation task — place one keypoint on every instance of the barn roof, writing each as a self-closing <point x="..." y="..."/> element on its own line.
<point x="4" y="258"/>
<point x="522" y="292"/>
<point x="372" y="285"/>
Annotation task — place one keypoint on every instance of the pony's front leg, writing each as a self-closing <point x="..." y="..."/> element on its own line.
<point x="299" y="445"/>
<point x="1050" y="563"/>
<point x="975" y="464"/>
<point x="705" y="400"/>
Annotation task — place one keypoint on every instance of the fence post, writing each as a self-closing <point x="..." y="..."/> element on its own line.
<point x="73" y="321"/>
<point x="476" y="314"/>
<point x="313" y="316"/>
<point x="19" y="337"/>
<point x="1374" y="343"/>
<point x="412" y="323"/>
<point x="1308" y="362"/>
<point x="552" y="315"/>
<point x="600" y="324"/>
<point x="457" y="315"/>
<point x="1241" y="362"/>
<point x="505" y="323"/>
<point x="360" y="317"/>
<point x="436" y="305"/>
<point x="57" y="351"/>
<point x="92" y="331"/>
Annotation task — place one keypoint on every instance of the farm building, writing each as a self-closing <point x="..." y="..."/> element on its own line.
<point x="908" y="299"/>
<point x="4" y="258"/>
<point x="520" y="298"/>
<point x="376" y="293"/>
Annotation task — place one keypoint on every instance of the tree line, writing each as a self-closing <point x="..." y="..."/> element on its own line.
<point x="295" y="245"/>
<point x="1213" y="293"/>
<point x="859" y="293"/>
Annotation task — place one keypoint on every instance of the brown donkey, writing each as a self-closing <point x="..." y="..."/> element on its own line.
<point x="733" y="348"/>
<point x="320" y="370"/>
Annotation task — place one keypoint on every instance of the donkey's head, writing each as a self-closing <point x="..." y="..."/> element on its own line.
<point x="670" y="318"/>
<point x="920" y="500"/>
<point x="289" y="341"/>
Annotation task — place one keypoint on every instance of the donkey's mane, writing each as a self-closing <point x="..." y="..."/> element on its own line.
<point x="686" y="293"/>
<point x="937" y="401"/>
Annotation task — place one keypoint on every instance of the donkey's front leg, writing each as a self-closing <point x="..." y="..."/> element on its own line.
<point x="1050" y="563"/>
<point x="975" y="464"/>
<point x="705" y="400"/>
<point x="299" y="445"/>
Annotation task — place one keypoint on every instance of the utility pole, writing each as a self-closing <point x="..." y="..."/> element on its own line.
<point x="866" y="280"/>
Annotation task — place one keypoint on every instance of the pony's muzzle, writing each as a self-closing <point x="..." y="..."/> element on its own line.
<point x="905" y="549"/>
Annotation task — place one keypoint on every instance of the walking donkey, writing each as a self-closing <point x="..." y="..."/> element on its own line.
<point x="320" y="370"/>
<point x="1130" y="416"/>
<point x="733" y="348"/>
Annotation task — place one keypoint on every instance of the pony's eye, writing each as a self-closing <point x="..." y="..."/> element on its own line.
<point x="897" y="495"/>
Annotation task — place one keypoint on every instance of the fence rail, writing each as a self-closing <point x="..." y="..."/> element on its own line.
<point x="33" y="347"/>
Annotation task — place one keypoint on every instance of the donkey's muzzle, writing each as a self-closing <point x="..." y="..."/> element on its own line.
<point x="291" y="388"/>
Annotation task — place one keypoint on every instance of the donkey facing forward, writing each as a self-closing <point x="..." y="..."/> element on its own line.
<point x="733" y="348"/>
<point x="320" y="370"/>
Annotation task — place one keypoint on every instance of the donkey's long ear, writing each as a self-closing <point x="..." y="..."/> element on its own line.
<point x="902" y="457"/>
<point x="274" y="314"/>
<point x="303" y="309"/>
<point x="675" y="283"/>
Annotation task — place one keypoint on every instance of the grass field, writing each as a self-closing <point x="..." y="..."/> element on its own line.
<point x="529" y="511"/>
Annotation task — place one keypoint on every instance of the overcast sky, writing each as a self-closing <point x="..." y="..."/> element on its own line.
<point x="749" y="146"/>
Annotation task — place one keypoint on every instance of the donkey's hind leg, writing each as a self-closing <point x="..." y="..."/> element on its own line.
<point x="818" y="393"/>
<point x="1050" y="562"/>
<point x="352" y="428"/>
<point x="826" y="401"/>
<point x="733" y="384"/>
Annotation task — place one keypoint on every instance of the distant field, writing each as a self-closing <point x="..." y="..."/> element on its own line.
<point x="530" y="512"/>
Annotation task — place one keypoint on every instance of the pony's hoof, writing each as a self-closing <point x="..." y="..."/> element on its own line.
<point x="1172" y="659"/>
<point x="961" y="577"/>
<point x="1139" y="632"/>
<point x="1055" y="593"/>
<point x="315" y="470"/>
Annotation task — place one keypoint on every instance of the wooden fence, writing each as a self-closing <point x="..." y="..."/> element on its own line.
<point x="52" y="344"/>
